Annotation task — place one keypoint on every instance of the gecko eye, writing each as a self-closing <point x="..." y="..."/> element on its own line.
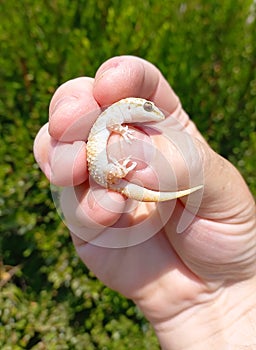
<point x="148" y="106"/>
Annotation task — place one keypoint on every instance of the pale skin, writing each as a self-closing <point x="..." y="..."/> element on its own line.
<point x="198" y="288"/>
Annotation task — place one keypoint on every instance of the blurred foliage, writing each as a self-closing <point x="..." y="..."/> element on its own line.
<point x="206" y="50"/>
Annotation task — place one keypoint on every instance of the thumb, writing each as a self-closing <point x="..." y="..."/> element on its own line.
<point x="225" y="193"/>
<point x="226" y="196"/>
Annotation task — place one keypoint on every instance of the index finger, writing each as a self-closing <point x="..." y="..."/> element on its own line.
<point x="129" y="76"/>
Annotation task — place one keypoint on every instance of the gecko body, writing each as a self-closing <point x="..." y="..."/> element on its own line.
<point x="109" y="172"/>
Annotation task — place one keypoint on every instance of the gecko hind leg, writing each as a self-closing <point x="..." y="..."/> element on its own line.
<point x="117" y="170"/>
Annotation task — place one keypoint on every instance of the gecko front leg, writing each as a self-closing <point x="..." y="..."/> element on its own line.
<point x="124" y="131"/>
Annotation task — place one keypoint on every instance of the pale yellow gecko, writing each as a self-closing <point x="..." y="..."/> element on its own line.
<point x="109" y="172"/>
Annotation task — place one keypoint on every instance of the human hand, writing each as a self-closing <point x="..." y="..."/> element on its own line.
<point x="202" y="279"/>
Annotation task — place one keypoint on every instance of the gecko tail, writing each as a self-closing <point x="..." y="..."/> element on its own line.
<point x="142" y="194"/>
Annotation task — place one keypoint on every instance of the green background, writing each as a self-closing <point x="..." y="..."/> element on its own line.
<point x="205" y="49"/>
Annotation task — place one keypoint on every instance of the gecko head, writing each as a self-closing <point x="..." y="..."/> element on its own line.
<point x="141" y="110"/>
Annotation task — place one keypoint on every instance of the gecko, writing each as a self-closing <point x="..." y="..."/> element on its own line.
<point x="109" y="172"/>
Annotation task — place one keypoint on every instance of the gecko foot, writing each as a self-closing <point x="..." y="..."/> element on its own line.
<point x="124" y="131"/>
<point x="117" y="170"/>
